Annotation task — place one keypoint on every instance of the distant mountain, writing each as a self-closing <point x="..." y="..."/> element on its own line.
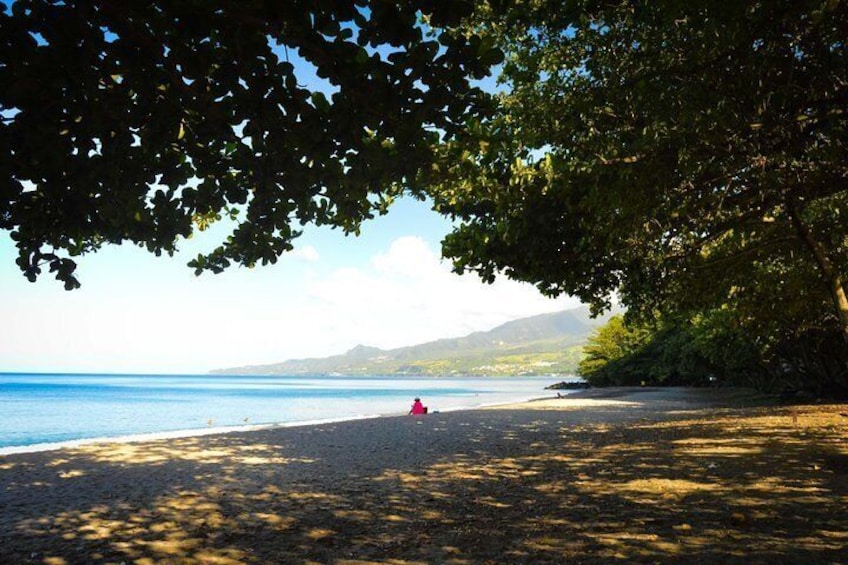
<point x="543" y="344"/>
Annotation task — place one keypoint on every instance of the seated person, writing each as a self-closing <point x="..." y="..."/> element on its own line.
<point x="418" y="408"/>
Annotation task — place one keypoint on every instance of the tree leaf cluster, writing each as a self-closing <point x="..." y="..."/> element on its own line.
<point x="143" y="121"/>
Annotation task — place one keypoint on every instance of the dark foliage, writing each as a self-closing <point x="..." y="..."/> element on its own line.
<point x="144" y="121"/>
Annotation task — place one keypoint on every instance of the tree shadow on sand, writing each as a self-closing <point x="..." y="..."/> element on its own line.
<point x="731" y="485"/>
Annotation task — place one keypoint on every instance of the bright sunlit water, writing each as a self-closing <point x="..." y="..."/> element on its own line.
<point x="52" y="408"/>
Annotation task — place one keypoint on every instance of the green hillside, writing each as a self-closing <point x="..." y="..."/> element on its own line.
<point x="539" y="345"/>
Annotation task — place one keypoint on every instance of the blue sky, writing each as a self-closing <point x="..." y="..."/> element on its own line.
<point x="138" y="313"/>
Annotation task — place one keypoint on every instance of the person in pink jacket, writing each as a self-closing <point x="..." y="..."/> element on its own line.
<point x="418" y="408"/>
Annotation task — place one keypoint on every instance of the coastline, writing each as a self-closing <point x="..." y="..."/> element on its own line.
<point x="175" y="434"/>
<point x="217" y="430"/>
<point x="83" y="409"/>
<point x="658" y="475"/>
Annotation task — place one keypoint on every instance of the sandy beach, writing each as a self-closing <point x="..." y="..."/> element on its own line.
<point x="602" y="476"/>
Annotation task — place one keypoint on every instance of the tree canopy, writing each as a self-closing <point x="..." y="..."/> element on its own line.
<point x="143" y="121"/>
<point x="687" y="158"/>
<point x="708" y="350"/>
<point x="681" y="156"/>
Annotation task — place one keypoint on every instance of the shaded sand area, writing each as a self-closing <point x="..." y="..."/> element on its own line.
<point x="604" y="476"/>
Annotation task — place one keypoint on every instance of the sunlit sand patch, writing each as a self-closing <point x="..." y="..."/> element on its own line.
<point x="459" y="473"/>
<point x="389" y="561"/>
<point x="820" y="544"/>
<point x="207" y="455"/>
<point x="226" y="557"/>
<point x="72" y="474"/>
<point x="558" y="458"/>
<point x="97" y="524"/>
<point x="57" y="462"/>
<point x="718" y="447"/>
<point x="629" y="546"/>
<point x="145" y="454"/>
<point x="697" y="441"/>
<point x="555" y="487"/>
<point x="273" y="489"/>
<point x="315" y="497"/>
<point x="129" y="453"/>
<point x="193" y="503"/>
<point x="266" y="455"/>
<point x="495" y="470"/>
<point x="546" y="543"/>
<point x="279" y="522"/>
<point x="493" y="503"/>
<point x="431" y="515"/>
<point x="810" y="494"/>
<point x="165" y="526"/>
<point x="507" y="468"/>
<point x="395" y="518"/>
<point x="661" y="486"/>
<point x="263" y="460"/>
<point x="564" y="403"/>
<point x="174" y="546"/>
<point x="625" y="535"/>
<point x="320" y="533"/>
<point x="353" y="514"/>
<point x="406" y="478"/>
<point x="558" y="522"/>
<point x="101" y="528"/>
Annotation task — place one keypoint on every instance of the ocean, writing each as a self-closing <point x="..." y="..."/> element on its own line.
<point x="44" y="411"/>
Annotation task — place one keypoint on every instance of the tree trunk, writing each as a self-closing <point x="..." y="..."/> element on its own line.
<point x="831" y="274"/>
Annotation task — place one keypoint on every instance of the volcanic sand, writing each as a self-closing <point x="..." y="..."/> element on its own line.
<point x="625" y="475"/>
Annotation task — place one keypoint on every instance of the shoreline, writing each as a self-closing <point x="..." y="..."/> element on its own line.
<point x="216" y="430"/>
<point x="175" y="434"/>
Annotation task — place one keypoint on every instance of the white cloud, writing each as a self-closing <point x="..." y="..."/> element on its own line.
<point x="306" y="253"/>
<point x="408" y="295"/>
<point x="407" y="256"/>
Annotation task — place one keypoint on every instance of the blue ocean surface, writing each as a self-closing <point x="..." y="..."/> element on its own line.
<point x="38" y="409"/>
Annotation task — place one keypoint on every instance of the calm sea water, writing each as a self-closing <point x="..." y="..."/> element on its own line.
<point x="37" y="409"/>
